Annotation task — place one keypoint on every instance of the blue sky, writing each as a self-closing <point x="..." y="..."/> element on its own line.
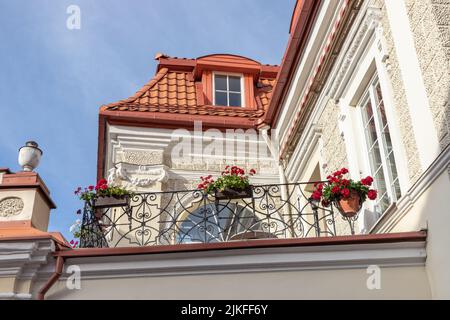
<point x="53" y="80"/>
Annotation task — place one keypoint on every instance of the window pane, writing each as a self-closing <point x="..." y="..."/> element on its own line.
<point x="375" y="159"/>
<point x="221" y="98"/>
<point x="368" y="113"/>
<point x="386" y="141"/>
<point x="220" y="82"/>
<point x="234" y="84"/>
<point x="371" y="131"/>
<point x="377" y="147"/>
<point x="382" y="113"/>
<point x="378" y="93"/>
<point x="384" y="202"/>
<point x="393" y="172"/>
<point x="235" y="99"/>
<point x="398" y="192"/>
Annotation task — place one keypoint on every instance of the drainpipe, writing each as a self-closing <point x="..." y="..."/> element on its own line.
<point x="55" y="276"/>
<point x="283" y="180"/>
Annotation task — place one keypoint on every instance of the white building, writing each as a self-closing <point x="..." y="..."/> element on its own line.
<point x="362" y="85"/>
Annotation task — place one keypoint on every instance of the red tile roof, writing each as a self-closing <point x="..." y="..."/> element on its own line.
<point x="166" y="89"/>
<point x="174" y="90"/>
<point x="23" y="230"/>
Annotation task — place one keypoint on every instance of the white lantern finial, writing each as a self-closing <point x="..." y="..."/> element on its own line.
<point x="29" y="156"/>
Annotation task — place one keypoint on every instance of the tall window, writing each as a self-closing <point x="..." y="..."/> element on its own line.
<point x="227" y="90"/>
<point x="379" y="146"/>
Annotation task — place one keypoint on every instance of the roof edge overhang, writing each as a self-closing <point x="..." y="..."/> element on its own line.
<point x="303" y="20"/>
<point x="27" y="180"/>
<point x="176" y="64"/>
<point x="231" y="63"/>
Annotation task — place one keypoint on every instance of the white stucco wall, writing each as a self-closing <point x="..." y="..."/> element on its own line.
<point x="347" y="284"/>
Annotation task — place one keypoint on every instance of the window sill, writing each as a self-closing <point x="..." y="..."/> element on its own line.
<point x="388" y="213"/>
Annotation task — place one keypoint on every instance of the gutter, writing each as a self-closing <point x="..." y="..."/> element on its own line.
<point x="251" y="244"/>
<point x="55" y="276"/>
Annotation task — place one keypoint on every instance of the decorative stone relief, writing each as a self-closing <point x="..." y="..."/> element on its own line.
<point x="143" y="158"/>
<point x="11" y="206"/>
<point x="137" y="177"/>
<point x="371" y="21"/>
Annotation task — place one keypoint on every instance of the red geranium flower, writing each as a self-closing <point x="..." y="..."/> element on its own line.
<point x="372" y="194"/>
<point x="367" y="181"/>
<point x="102" y="182"/>
<point x="316" y="195"/>
<point x="344" y="171"/>
<point x="336" y="189"/>
<point x="345" y="193"/>
<point x="337" y="173"/>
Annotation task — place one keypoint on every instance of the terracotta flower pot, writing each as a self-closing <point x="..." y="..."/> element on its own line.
<point x="350" y="206"/>
<point x="234" y="194"/>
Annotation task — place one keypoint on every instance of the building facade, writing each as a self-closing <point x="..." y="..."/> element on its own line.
<point x="363" y="84"/>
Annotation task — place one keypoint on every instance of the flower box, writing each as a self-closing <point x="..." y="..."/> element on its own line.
<point x="228" y="193"/>
<point x="110" y="202"/>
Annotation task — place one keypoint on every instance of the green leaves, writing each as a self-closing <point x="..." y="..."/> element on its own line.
<point x="232" y="178"/>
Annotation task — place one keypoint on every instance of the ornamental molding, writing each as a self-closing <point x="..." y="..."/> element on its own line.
<point x="370" y="24"/>
<point x="23" y="259"/>
<point x="142" y="176"/>
<point x="143" y="158"/>
<point x="250" y="260"/>
<point x="11" y="206"/>
<point x="302" y="155"/>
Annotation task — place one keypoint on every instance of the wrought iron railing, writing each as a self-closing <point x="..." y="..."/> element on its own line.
<point x="191" y="216"/>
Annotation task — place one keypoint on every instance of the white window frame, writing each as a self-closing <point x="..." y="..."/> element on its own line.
<point x="389" y="181"/>
<point x="366" y="64"/>
<point x="240" y="75"/>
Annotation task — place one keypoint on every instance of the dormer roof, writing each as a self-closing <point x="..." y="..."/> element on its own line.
<point x="183" y="86"/>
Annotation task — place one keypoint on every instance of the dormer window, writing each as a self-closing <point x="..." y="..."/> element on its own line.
<point x="228" y="90"/>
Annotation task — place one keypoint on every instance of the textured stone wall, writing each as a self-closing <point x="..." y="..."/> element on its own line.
<point x="402" y="109"/>
<point x="334" y="153"/>
<point x="430" y="24"/>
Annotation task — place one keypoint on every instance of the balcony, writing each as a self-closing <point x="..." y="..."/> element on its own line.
<point x="279" y="211"/>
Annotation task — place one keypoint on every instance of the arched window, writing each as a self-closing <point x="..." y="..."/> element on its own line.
<point x="217" y="223"/>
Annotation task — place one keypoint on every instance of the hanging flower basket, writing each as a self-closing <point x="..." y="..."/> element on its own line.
<point x="349" y="207"/>
<point x="229" y="193"/>
<point x="347" y="195"/>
